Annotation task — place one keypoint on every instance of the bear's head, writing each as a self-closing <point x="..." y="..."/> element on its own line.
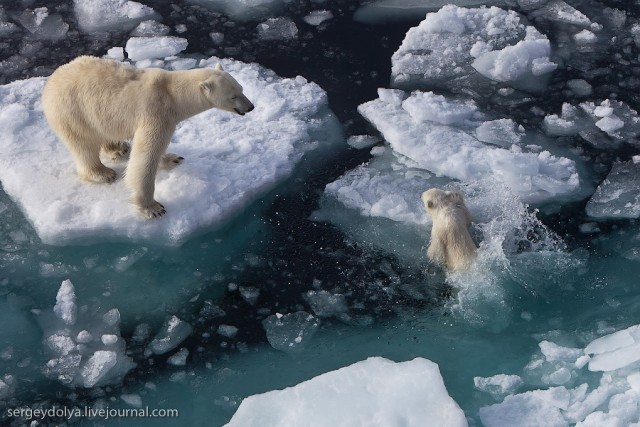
<point x="435" y="199"/>
<point x="224" y="92"/>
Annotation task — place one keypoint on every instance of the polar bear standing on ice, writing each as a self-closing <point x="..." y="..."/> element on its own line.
<point x="451" y="243"/>
<point x="96" y="104"/>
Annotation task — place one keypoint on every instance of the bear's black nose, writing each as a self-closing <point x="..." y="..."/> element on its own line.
<point x="250" y="108"/>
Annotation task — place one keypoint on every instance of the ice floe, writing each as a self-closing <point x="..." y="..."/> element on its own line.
<point x="612" y="399"/>
<point x="459" y="45"/>
<point x="230" y="160"/>
<point x="411" y="130"/>
<point x="375" y="391"/>
<point x="111" y="15"/>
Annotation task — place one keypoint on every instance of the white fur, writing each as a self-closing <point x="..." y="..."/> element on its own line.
<point x="96" y="104"/>
<point x="451" y="243"/>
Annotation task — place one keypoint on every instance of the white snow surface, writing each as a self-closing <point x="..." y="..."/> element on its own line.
<point x="111" y="15"/>
<point x="456" y="43"/>
<point x="453" y="152"/>
<point x="230" y="161"/>
<point x="373" y="392"/>
<point x="612" y="400"/>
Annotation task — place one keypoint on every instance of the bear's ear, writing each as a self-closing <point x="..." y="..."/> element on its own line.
<point x="206" y="87"/>
<point x="218" y="67"/>
<point x="455" y="196"/>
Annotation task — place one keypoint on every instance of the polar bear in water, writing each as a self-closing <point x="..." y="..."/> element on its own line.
<point x="451" y="243"/>
<point x="96" y="104"/>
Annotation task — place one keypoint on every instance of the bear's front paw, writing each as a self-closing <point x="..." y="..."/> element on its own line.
<point x="170" y="161"/>
<point x="116" y="151"/>
<point x="155" y="210"/>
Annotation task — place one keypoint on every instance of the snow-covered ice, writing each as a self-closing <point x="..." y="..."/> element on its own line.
<point x="454" y="45"/>
<point x="230" y="161"/>
<point x="375" y="391"/>
<point x="611" y="400"/>
<point x="452" y="151"/>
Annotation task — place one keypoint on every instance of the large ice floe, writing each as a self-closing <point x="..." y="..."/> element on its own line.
<point x="461" y="47"/>
<point x="611" y="396"/>
<point x="439" y="135"/>
<point x="618" y="196"/>
<point x="375" y="391"/>
<point x="230" y="160"/>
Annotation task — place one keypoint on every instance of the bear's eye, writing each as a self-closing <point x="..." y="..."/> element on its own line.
<point x="430" y="204"/>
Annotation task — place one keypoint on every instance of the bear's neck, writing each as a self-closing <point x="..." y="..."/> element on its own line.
<point x="184" y="88"/>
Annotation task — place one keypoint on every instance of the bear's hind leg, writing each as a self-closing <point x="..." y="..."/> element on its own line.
<point x="86" y="154"/>
<point x="116" y="150"/>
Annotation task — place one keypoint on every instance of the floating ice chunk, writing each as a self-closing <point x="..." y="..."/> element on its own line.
<point x="290" y="332"/>
<point x="111" y="15"/>
<point x="326" y="304"/>
<point x="132" y="400"/>
<point x="230" y="162"/>
<point x="111" y="317"/>
<point x="585" y="37"/>
<point x="501" y="132"/>
<point x="7" y="386"/>
<point x="180" y="358"/>
<point x="171" y="335"/>
<point x="559" y="11"/>
<point x="498" y="385"/>
<point x="521" y="63"/>
<point x="249" y="293"/>
<point x="98" y="365"/>
<point x="65" y="308"/>
<point x="78" y="359"/>
<point x="444" y="45"/>
<point x="610" y="124"/>
<point x="374" y="391"/>
<point x="618" y="196"/>
<point x="553" y="352"/>
<point x="116" y="53"/>
<point x="450" y="151"/>
<point x="84" y="337"/>
<point x="139" y="48"/>
<point x="42" y="25"/>
<point x="317" y="17"/>
<point x="361" y="142"/>
<point x="277" y="29"/>
<point x="243" y="10"/>
<point x="579" y="87"/>
<point x="427" y="106"/>
<point x="150" y="28"/>
<point x="228" y="331"/>
<point x="539" y="408"/>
